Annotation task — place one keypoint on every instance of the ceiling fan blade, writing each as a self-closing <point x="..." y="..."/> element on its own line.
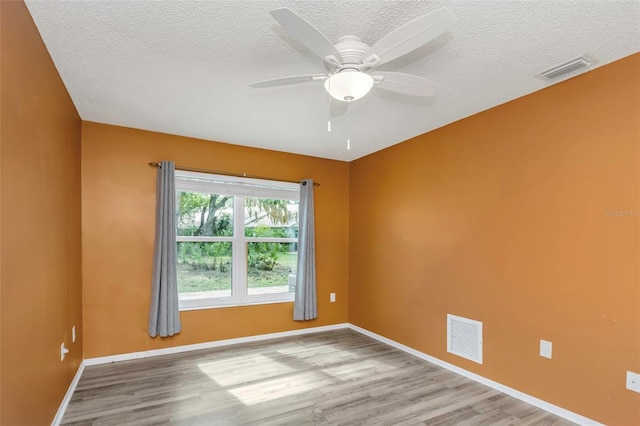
<point x="283" y="81"/>
<point x="306" y="33"/>
<point x="407" y="84"/>
<point x="410" y="36"/>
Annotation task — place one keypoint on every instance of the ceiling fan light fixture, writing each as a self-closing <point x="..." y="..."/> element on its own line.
<point x="349" y="85"/>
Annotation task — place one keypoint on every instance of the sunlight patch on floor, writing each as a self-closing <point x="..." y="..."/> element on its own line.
<point x="270" y="390"/>
<point x="252" y="367"/>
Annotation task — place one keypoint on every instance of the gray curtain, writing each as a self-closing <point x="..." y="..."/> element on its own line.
<point x="164" y="314"/>
<point x="305" y="306"/>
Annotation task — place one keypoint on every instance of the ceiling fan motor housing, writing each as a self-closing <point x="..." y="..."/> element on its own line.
<point x="351" y="49"/>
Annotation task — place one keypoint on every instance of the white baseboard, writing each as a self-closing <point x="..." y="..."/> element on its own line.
<point x="208" y="345"/>
<point x="67" y="397"/>
<point x="536" y="402"/>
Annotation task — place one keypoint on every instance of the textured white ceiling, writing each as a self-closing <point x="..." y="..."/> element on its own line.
<point x="183" y="67"/>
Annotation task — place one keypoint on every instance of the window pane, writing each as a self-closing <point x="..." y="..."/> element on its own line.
<point x="204" y="270"/>
<point x="264" y="217"/>
<point x="202" y="214"/>
<point x="271" y="267"/>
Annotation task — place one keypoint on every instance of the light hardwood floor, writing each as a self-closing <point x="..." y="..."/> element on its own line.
<point x="334" y="378"/>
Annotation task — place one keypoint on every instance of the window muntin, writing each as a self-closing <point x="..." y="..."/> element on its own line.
<point x="237" y="240"/>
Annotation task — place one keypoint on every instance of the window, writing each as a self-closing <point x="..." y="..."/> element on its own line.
<point x="237" y="240"/>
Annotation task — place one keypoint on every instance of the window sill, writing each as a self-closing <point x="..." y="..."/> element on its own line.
<point x="208" y="303"/>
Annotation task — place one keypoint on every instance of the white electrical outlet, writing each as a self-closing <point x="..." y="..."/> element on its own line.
<point x="545" y="348"/>
<point x="633" y="381"/>
<point x="332" y="297"/>
<point x="63" y="351"/>
<point x="73" y="334"/>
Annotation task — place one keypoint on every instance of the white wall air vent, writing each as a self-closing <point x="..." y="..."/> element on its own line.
<point x="566" y="69"/>
<point x="464" y="337"/>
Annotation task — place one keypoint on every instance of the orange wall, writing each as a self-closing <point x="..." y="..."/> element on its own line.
<point x="39" y="226"/>
<point x="500" y="218"/>
<point x="118" y="214"/>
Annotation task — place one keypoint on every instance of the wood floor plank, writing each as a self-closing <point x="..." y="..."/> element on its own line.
<point x="333" y="378"/>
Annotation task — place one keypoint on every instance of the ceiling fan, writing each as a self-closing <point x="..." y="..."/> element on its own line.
<point x="350" y="61"/>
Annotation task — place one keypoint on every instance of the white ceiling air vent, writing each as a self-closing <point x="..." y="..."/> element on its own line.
<point x="567" y="69"/>
<point x="464" y="337"/>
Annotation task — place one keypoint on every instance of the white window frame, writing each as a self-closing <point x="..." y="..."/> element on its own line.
<point x="239" y="188"/>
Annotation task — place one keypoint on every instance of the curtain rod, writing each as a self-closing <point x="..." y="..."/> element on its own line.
<point x="217" y="172"/>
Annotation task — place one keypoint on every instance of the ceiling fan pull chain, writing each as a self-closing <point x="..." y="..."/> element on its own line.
<point x="329" y="121"/>
<point x="348" y="113"/>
